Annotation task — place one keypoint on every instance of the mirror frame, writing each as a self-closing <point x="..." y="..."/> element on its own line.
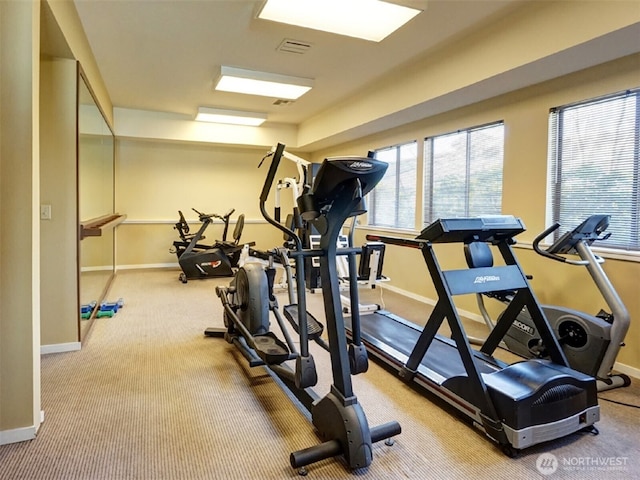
<point x="85" y="326"/>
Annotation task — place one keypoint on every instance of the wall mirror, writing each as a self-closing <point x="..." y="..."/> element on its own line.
<point x="95" y="203"/>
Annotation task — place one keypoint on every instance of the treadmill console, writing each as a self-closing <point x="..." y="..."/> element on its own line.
<point x="490" y="229"/>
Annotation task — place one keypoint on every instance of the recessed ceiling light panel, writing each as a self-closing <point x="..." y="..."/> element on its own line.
<point x="235" y="117"/>
<point x="368" y="19"/>
<point x="239" y="80"/>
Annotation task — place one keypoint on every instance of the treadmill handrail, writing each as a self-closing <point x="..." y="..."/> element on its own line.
<point x="403" y="242"/>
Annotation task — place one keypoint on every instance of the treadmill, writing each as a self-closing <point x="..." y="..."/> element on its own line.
<point x="516" y="405"/>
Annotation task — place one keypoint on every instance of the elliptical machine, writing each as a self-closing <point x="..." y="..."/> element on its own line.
<point x="199" y="261"/>
<point x="590" y="342"/>
<point x="337" y="193"/>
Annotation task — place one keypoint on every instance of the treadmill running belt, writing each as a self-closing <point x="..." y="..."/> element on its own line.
<point x="387" y="333"/>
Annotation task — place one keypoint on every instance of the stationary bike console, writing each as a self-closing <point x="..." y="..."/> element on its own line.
<point x="588" y="232"/>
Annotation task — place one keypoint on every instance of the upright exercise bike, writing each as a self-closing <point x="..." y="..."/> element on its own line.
<point x="337" y="193"/>
<point x="590" y="342"/>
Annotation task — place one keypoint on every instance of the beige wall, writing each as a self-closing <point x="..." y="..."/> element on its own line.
<point x="525" y="114"/>
<point x="156" y="179"/>
<point x="58" y="184"/>
<point x="66" y="16"/>
<point x="24" y="266"/>
<point x="19" y="223"/>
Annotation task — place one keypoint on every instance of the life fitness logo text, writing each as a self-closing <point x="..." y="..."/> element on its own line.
<point x="215" y="264"/>
<point x="360" y="166"/>
<point x="487" y="278"/>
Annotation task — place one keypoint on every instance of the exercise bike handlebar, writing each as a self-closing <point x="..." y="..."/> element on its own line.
<point x="542" y="236"/>
<point x="555" y="256"/>
<point x="209" y="216"/>
<point x="226" y="216"/>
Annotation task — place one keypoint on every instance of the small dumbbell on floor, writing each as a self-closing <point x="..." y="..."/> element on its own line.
<point x="87" y="309"/>
<point x="109" y="309"/>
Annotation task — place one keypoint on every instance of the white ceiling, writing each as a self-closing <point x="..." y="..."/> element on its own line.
<point x="164" y="56"/>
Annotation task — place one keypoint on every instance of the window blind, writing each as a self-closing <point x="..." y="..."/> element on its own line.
<point x="463" y="173"/>
<point x="393" y="201"/>
<point x="594" y="165"/>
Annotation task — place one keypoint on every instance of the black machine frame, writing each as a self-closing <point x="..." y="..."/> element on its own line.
<point x="510" y="403"/>
<point x="338" y="418"/>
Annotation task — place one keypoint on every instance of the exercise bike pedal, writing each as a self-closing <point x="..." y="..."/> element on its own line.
<point x="314" y="327"/>
<point x="271" y="349"/>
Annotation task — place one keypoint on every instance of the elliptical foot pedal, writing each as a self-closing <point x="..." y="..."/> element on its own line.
<point x="270" y="349"/>
<point x="314" y="327"/>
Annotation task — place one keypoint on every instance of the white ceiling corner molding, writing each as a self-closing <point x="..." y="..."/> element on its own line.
<point x="163" y="126"/>
<point x="232" y="117"/>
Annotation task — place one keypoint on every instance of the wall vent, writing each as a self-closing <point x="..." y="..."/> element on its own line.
<point x="293" y="46"/>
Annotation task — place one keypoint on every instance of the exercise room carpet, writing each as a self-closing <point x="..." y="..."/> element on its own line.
<point x="149" y="397"/>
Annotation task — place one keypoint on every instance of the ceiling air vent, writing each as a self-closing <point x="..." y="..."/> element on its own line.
<point x="293" y="46"/>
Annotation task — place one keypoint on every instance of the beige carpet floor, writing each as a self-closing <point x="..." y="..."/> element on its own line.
<point x="149" y="397"/>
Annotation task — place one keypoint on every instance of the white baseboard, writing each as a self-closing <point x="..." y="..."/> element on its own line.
<point x="17" y="435"/>
<point x="429" y="301"/>
<point x="626" y="369"/>
<point x="144" y="266"/>
<point x="60" y="348"/>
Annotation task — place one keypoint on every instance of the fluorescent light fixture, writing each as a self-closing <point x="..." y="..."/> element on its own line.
<point x="235" y="117"/>
<point x="240" y="80"/>
<point x="368" y="19"/>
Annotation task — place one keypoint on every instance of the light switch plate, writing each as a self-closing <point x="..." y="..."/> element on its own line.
<point x="45" y="212"/>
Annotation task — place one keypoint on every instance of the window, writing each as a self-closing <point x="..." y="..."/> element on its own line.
<point x="393" y="201"/>
<point x="594" y="165"/>
<point x="463" y="173"/>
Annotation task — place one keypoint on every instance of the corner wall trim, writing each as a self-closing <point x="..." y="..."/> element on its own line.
<point x="17" y="435"/>
<point x="60" y="348"/>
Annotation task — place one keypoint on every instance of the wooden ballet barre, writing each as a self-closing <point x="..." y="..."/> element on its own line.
<point x="95" y="226"/>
